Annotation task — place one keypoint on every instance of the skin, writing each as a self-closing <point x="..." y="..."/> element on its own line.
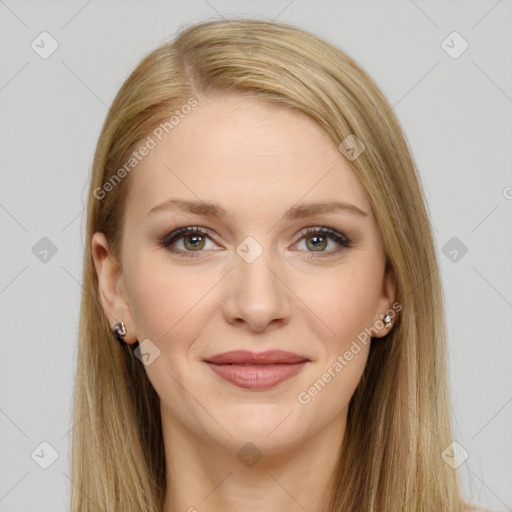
<point x="255" y="160"/>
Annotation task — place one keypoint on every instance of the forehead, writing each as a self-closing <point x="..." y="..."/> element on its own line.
<point x="244" y="153"/>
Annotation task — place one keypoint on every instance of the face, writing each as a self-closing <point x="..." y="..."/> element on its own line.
<point x="255" y="272"/>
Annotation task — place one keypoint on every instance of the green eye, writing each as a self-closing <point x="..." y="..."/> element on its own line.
<point x="195" y="239"/>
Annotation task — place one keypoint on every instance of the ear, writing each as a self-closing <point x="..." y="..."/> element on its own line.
<point x="386" y="305"/>
<point x="111" y="286"/>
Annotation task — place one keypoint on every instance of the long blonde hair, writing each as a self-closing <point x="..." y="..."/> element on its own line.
<point x="399" y="416"/>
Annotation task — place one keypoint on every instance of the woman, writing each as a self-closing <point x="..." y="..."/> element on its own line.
<point x="258" y="243"/>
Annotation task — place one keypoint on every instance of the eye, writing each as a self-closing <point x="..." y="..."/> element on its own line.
<point x="193" y="240"/>
<point x="317" y="239"/>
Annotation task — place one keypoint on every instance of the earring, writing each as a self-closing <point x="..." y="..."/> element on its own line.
<point x="387" y="321"/>
<point x="120" y="331"/>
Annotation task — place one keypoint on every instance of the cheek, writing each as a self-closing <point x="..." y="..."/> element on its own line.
<point x="342" y="302"/>
<point x="167" y="303"/>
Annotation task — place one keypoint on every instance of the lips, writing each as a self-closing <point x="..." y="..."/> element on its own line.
<point x="256" y="371"/>
<point x="256" y="358"/>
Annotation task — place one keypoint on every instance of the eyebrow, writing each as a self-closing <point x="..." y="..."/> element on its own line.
<point x="294" y="213"/>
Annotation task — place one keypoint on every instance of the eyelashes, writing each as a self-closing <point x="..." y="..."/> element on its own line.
<point x="198" y="236"/>
<point x="169" y="240"/>
<point x="325" y="233"/>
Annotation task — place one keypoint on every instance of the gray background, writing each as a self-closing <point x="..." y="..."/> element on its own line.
<point x="456" y="113"/>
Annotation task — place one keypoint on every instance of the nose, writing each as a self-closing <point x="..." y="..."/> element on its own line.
<point x="256" y="293"/>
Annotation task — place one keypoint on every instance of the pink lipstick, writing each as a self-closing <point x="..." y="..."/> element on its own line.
<point x="256" y="371"/>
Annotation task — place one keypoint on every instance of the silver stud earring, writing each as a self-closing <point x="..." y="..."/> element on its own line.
<point x="387" y="321"/>
<point x="120" y="331"/>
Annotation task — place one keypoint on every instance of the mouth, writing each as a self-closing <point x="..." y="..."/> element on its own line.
<point x="256" y="371"/>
